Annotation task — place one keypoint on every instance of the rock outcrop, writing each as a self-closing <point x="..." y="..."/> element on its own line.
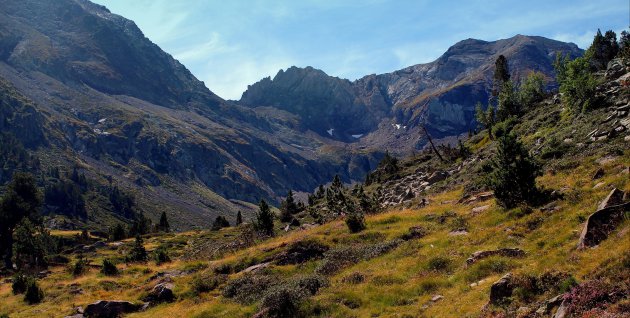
<point x="110" y="308"/>
<point x="609" y="214"/>
<point x="501" y="289"/>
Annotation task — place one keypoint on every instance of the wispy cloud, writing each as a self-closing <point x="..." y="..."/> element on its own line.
<point x="230" y="44"/>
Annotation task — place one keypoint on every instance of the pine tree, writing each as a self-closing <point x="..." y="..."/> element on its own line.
<point x="219" y="223"/>
<point x="239" y="218"/>
<point x="501" y="75"/>
<point x="288" y="208"/>
<point x="264" y="219"/>
<point x="21" y="200"/>
<point x="138" y="253"/>
<point x="355" y="220"/>
<point x="336" y="185"/>
<point x="508" y="105"/>
<point x="513" y="173"/>
<point x="163" y="225"/>
<point x="117" y="233"/>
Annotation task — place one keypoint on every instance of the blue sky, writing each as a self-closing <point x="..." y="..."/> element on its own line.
<point x="230" y="44"/>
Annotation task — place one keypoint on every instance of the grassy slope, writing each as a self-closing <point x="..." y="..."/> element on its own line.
<point x="397" y="282"/>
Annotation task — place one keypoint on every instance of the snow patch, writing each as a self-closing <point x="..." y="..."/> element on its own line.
<point x="357" y="136"/>
<point x="330" y="131"/>
<point x="102" y="120"/>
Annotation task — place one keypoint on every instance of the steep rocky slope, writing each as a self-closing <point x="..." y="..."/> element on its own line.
<point x="387" y="109"/>
<point x="129" y="114"/>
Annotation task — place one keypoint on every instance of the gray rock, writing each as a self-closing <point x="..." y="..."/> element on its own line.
<point x="110" y="308"/>
<point x="161" y="293"/>
<point x="609" y="214"/>
<point x="501" y="289"/>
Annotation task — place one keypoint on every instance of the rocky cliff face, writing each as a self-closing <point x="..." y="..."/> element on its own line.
<point x="441" y="94"/>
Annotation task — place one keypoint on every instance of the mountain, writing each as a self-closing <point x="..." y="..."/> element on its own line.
<point x="441" y="94"/>
<point x="108" y="102"/>
<point x="128" y="115"/>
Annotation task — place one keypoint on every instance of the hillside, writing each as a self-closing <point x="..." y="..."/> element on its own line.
<point x="446" y="249"/>
<point x="127" y="114"/>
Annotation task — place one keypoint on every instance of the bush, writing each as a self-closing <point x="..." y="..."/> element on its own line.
<point x="342" y="257"/>
<point x="355" y="222"/>
<point x="439" y="264"/>
<point x="160" y="255"/>
<point x="80" y="267"/>
<point x="203" y="284"/>
<point x="513" y="173"/>
<point x="248" y="288"/>
<point x="283" y="302"/>
<point x="137" y="253"/>
<point x="302" y="251"/>
<point x="20" y="282"/>
<point x="109" y="268"/>
<point x="34" y="294"/>
<point x="577" y="84"/>
<point x="354" y="278"/>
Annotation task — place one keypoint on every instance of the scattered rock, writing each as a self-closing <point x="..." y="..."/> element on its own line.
<point x="598" y="174"/>
<point x="599" y="185"/>
<point x="507" y="252"/>
<point x="615" y="69"/>
<point x="562" y="311"/>
<point x="501" y="289"/>
<point x="414" y="232"/>
<point x="479" y="209"/>
<point x="548" y="305"/>
<point x="110" y="308"/>
<point x="257" y="267"/>
<point x="437" y="176"/>
<point x="160" y="293"/>
<point x="608" y="215"/>
<point x="437" y="298"/>
<point x="458" y="233"/>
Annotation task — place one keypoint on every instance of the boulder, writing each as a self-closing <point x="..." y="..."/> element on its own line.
<point x="257" y="267"/>
<point x="479" y="209"/>
<point x="161" y="293"/>
<point x="615" y="197"/>
<point x="609" y="214"/>
<point x="437" y="176"/>
<point x="501" y="289"/>
<point x="549" y="304"/>
<point x="615" y="69"/>
<point x="507" y="252"/>
<point x="110" y="308"/>
<point x="598" y="174"/>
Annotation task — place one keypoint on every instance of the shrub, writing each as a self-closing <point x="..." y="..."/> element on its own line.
<point x="354" y="278"/>
<point x="219" y="223"/>
<point x="248" y="288"/>
<point x="577" y="84"/>
<point x="20" y="282"/>
<point x="355" y="222"/>
<point x="109" y="268"/>
<point x="283" y="302"/>
<point x="203" y="284"/>
<point x="591" y="294"/>
<point x="80" y="267"/>
<point x="513" y="173"/>
<point x="439" y="264"/>
<point x="342" y="257"/>
<point x="430" y="285"/>
<point x="160" y="255"/>
<point x="33" y="294"/>
<point x="302" y="251"/>
<point x="137" y="253"/>
<point x="310" y="283"/>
